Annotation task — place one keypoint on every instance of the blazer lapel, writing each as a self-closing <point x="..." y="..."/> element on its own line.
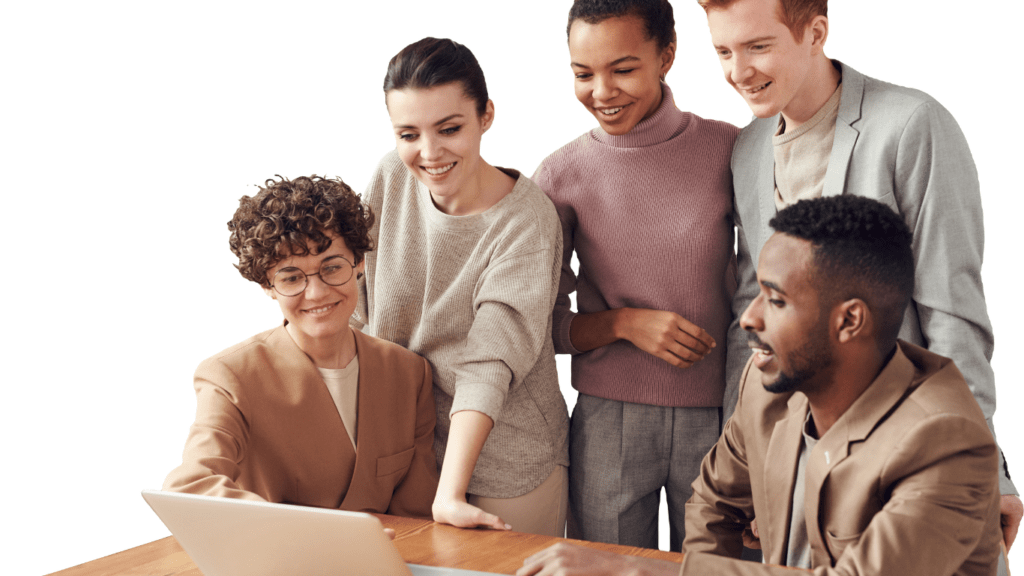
<point x="303" y="368"/>
<point x="765" y="185"/>
<point x="855" y="425"/>
<point x="780" y="476"/>
<point x="846" y="135"/>
<point x="369" y="406"/>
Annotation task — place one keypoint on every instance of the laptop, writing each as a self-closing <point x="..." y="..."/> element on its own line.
<point x="231" y="537"/>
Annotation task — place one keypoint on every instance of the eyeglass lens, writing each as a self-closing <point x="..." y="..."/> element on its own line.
<point x="334" y="271"/>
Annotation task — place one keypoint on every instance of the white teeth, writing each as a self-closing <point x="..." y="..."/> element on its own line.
<point x="759" y="88"/>
<point x="610" y="111"/>
<point x="439" y="171"/>
<point x="320" y="310"/>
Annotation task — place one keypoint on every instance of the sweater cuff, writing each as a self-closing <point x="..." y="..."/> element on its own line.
<point x="560" y="332"/>
<point x="480" y="397"/>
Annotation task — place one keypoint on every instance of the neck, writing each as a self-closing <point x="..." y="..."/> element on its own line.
<point x="847" y="381"/>
<point x="822" y="81"/>
<point x="483" y="189"/>
<point x="331" y="352"/>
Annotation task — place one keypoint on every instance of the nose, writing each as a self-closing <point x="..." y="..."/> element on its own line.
<point x="315" y="287"/>
<point x="605" y="88"/>
<point x="752" y="318"/>
<point x="737" y="69"/>
<point x="430" y="148"/>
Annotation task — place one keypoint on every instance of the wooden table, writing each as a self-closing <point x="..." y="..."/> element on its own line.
<point x="419" y="542"/>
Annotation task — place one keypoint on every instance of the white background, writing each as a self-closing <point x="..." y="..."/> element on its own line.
<point x="128" y="130"/>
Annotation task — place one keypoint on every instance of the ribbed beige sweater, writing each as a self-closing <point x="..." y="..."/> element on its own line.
<point x="473" y="295"/>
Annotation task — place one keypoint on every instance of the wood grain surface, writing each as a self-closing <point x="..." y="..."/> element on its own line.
<point x="418" y="541"/>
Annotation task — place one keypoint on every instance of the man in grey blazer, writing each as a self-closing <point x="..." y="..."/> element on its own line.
<point x="824" y="129"/>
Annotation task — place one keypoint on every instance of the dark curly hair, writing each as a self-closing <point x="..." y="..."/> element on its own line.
<point x="860" y="249"/>
<point x="287" y="214"/>
<point x="656" y="15"/>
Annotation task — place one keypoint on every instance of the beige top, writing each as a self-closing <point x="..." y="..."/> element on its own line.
<point x="801" y="154"/>
<point x="473" y="295"/>
<point x="343" y="384"/>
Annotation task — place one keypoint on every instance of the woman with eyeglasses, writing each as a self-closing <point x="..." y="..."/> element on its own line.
<point x="465" y="272"/>
<point x="282" y="416"/>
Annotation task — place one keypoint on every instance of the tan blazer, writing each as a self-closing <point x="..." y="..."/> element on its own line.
<point x="903" y="483"/>
<point x="267" y="428"/>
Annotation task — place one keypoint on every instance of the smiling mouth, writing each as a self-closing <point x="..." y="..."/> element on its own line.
<point x="610" y="111"/>
<point x="757" y="89"/>
<point x="439" y="170"/>
<point x="320" y="310"/>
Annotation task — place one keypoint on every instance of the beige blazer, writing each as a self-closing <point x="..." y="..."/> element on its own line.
<point x="267" y="428"/>
<point x="903" y="483"/>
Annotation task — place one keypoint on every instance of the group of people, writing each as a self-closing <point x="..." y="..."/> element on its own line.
<point x="808" y="393"/>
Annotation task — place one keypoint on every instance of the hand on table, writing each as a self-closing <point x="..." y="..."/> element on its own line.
<point x="570" y="560"/>
<point x="464" y="515"/>
<point x="667" y="335"/>
<point x="1010" y="511"/>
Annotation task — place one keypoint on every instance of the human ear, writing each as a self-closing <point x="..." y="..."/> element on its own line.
<point x="269" y="292"/>
<point x="818" y="30"/>
<point x="488" y="116"/>
<point x="668" y="56"/>
<point x="852" y="319"/>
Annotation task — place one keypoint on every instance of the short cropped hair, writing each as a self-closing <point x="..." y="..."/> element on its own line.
<point x="860" y="249"/>
<point x="655" y="14"/>
<point x="434" y="62"/>
<point x="286" y="215"/>
<point x="795" y="14"/>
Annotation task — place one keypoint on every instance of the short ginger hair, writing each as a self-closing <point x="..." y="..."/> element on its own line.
<point x="286" y="215"/>
<point x="795" y="14"/>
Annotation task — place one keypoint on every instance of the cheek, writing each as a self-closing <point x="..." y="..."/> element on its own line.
<point x="407" y="152"/>
<point x="582" y="93"/>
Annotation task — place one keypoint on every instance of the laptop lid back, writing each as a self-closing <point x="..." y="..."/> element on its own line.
<point x="231" y="537"/>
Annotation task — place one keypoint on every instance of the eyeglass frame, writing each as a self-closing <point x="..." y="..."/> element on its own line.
<point x="319" y="272"/>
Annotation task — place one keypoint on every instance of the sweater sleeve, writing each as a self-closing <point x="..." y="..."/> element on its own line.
<point x="217" y="440"/>
<point x="562" y="314"/>
<point x="511" y="309"/>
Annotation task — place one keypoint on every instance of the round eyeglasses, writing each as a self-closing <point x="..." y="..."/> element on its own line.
<point x="292" y="281"/>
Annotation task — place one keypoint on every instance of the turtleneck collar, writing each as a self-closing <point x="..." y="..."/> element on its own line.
<point x="666" y="123"/>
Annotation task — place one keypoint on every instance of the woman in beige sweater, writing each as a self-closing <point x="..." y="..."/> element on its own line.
<point x="465" y="274"/>
<point x="283" y="415"/>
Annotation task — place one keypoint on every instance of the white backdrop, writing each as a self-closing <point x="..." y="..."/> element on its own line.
<point x="128" y="130"/>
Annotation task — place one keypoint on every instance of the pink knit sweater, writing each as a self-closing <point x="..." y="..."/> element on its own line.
<point x="649" y="214"/>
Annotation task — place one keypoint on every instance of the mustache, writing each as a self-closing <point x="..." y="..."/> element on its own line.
<point x="754" y="342"/>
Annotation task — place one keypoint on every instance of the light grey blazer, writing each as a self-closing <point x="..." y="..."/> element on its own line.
<point x="900" y="147"/>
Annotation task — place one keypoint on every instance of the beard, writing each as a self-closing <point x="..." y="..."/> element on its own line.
<point x="813" y="358"/>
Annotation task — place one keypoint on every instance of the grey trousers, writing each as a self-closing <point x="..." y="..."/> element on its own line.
<point x="620" y="457"/>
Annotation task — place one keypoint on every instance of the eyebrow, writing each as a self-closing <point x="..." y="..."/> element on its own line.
<point x="773" y="286"/>
<point x="615" y="63"/>
<point x="757" y="40"/>
<point x="438" y="123"/>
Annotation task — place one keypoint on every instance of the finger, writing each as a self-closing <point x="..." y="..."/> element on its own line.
<point x="695" y="332"/>
<point x="684" y="353"/>
<point x="491" y="521"/>
<point x="690" y="342"/>
<point x="389" y="533"/>
<point x="753" y="528"/>
<point x="673" y="359"/>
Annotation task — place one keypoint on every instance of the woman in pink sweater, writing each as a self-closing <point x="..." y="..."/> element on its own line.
<point x="645" y="201"/>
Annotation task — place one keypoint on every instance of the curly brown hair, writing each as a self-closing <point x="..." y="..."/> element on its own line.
<point x="288" y="214"/>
